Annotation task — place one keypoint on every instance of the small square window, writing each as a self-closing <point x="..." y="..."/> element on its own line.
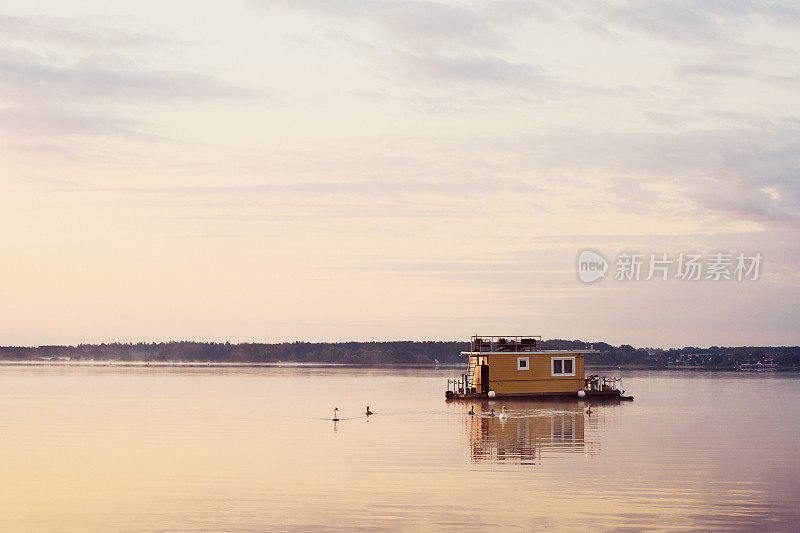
<point x="558" y="366"/>
<point x="568" y="366"/>
<point x="522" y="363"/>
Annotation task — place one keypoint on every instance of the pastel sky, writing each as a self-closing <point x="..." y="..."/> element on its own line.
<point x="395" y="169"/>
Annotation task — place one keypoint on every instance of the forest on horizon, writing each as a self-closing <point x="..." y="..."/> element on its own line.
<point x="395" y="353"/>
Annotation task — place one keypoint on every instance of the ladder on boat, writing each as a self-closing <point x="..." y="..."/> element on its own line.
<point x="470" y="375"/>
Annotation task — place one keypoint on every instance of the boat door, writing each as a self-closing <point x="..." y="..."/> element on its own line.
<point x="484" y="379"/>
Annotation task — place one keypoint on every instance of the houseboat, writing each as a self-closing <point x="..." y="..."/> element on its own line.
<point x="519" y="367"/>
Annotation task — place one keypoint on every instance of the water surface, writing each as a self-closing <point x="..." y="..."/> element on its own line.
<point x="253" y="449"/>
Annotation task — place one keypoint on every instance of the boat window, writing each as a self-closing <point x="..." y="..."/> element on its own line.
<point x="563" y="366"/>
<point x="522" y="363"/>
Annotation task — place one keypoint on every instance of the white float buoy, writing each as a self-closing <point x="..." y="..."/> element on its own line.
<point x="581" y="393"/>
<point x="491" y="394"/>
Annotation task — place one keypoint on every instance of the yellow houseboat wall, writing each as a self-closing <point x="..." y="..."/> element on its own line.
<point x="505" y="376"/>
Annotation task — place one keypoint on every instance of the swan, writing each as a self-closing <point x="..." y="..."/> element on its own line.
<point x="335" y="417"/>
<point x="492" y="413"/>
<point x="368" y="411"/>
<point x="503" y="415"/>
<point x="471" y="410"/>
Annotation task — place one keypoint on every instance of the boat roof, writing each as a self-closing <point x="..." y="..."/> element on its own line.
<point x="530" y="352"/>
<point x="482" y="345"/>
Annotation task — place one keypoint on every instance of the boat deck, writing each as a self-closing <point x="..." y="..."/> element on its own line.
<point x="590" y="395"/>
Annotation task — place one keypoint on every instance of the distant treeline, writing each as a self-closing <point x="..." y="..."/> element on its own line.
<point x="396" y="352"/>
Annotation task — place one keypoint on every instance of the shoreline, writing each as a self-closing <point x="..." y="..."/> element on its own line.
<point x="321" y="364"/>
<point x="198" y="364"/>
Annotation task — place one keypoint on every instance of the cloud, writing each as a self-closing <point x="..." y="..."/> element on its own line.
<point x="47" y="180"/>
<point x="422" y="21"/>
<point x="61" y="80"/>
<point x="680" y="22"/>
<point x="56" y="131"/>
<point x="325" y="213"/>
<point x="320" y="202"/>
<point x="365" y="188"/>
<point x="480" y="70"/>
<point x="71" y="32"/>
<point x="740" y="173"/>
<point x="431" y="43"/>
<point x="461" y="55"/>
<point x="32" y="78"/>
<point x="59" y="122"/>
<point x="789" y="82"/>
<point x="712" y="70"/>
<point x="747" y="202"/>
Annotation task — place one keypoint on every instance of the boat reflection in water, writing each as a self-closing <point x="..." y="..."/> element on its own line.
<point x="530" y="429"/>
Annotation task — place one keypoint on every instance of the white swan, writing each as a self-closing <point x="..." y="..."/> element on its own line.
<point x="503" y="414"/>
<point x="335" y="417"/>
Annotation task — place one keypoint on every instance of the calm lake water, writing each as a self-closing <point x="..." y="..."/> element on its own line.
<point x="253" y="449"/>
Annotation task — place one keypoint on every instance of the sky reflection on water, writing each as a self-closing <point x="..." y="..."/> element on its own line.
<point x="253" y="449"/>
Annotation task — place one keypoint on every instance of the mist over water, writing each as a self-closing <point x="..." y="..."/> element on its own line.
<point x="254" y="449"/>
